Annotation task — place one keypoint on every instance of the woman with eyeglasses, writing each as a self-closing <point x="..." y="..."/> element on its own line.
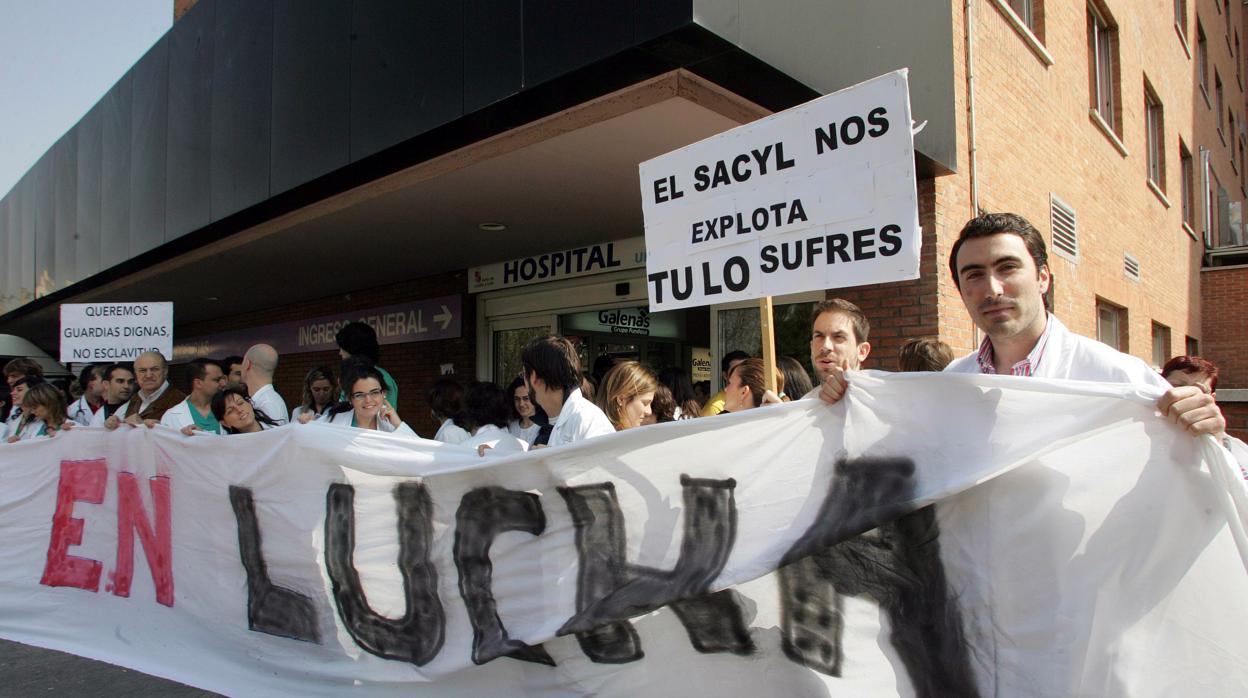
<point x="233" y="409"/>
<point x="366" y="406"/>
<point x="522" y="424"/>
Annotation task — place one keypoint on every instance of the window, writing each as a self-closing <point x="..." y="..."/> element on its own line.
<point x="1243" y="176"/>
<point x="1156" y="152"/>
<point x="1192" y="346"/>
<point x="1202" y="58"/>
<point x="1111" y="324"/>
<point x="1239" y="74"/>
<point x="1226" y="13"/>
<point x="1217" y="97"/>
<point x="1219" y="233"/>
<point x="1101" y="50"/>
<point x="1161" y="345"/>
<point x="1186" y="184"/>
<point x="1025" y="12"/>
<point x="1180" y="17"/>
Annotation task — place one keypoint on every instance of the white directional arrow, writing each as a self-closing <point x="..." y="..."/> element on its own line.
<point x="443" y="318"/>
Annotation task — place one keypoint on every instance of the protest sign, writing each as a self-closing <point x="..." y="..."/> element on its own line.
<point x="96" y="332"/>
<point x="934" y="535"/>
<point x="819" y="196"/>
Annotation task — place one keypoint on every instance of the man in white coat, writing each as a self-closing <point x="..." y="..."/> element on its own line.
<point x="204" y="380"/>
<point x="259" y="365"/>
<point x="1000" y="265"/>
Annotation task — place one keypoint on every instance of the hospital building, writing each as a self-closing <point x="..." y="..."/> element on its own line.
<point x="464" y="175"/>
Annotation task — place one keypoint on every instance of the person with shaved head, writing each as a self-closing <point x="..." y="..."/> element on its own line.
<point x="259" y="365"/>
<point x="154" y="395"/>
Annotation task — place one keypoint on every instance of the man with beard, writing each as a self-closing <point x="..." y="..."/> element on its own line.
<point x="838" y="343"/>
<point x="118" y="385"/>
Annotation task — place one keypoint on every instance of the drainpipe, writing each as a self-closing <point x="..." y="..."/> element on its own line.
<point x="969" y="19"/>
<point x="1208" y="197"/>
<point x="969" y="25"/>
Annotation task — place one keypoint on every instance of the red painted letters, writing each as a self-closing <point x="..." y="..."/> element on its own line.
<point x="157" y="547"/>
<point x="81" y="481"/>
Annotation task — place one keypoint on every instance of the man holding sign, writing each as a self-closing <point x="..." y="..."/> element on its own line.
<point x="838" y="343"/>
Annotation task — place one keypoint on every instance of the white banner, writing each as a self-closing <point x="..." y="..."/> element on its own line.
<point x="100" y="332"/>
<point x="1078" y="545"/>
<point x="818" y="196"/>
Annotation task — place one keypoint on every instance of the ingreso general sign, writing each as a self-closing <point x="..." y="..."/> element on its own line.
<point x="819" y="196"/>
<point x="94" y="332"/>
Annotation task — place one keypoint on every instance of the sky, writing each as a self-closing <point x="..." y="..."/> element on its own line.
<point x="57" y="59"/>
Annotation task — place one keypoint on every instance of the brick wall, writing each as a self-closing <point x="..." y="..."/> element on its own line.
<point x="1236" y="414"/>
<point x="1224" y="292"/>
<point x="1035" y="137"/>
<point x="415" y="365"/>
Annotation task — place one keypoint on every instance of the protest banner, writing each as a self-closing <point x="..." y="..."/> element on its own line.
<point x="97" y="332"/>
<point x="818" y="196"/>
<point x="934" y="535"/>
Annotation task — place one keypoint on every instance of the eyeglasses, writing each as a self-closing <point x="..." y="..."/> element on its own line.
<point x="374" y="393"/>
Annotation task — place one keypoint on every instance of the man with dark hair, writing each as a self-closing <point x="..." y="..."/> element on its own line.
<point x="553" y="372"/>
<point x="91" y="380"/>
<point x="154" y="395"/>
<point x="359" y="339"/>
<point x="20" y="368"/>
<point x="233" y="367"/>
<point x="259" y="365"/>
<point x="118" y="385"/>
<point x="487" y="412"/>
<point x="204" y="379"/>
<point x="715" y="404"/>
<point x="839" y="333"/>
<point x="446" y="406"/>
<point x="1000" y="265"/>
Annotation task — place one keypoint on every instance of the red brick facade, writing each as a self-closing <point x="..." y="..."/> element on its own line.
<point x="1224" y="293"/>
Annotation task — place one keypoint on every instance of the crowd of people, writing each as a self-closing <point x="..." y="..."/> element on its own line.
<point x="999" y="264"/>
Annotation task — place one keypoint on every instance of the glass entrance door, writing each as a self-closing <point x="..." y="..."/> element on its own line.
<point x="508" y="338"/>
<point x="655" y="353"/>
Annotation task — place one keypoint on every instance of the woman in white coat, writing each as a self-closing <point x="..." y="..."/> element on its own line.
<point x="366" y="406"/>
<point x="233" y="409"/>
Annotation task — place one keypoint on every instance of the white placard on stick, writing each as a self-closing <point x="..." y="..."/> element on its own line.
<point x="818" y="196"/>
<point x="93" y="332"/>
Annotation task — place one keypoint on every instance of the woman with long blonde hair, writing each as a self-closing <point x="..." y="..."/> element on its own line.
<point x="626" y="393"/>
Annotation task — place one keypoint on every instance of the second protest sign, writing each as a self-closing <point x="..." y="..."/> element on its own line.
<point x="819" y="196"/>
